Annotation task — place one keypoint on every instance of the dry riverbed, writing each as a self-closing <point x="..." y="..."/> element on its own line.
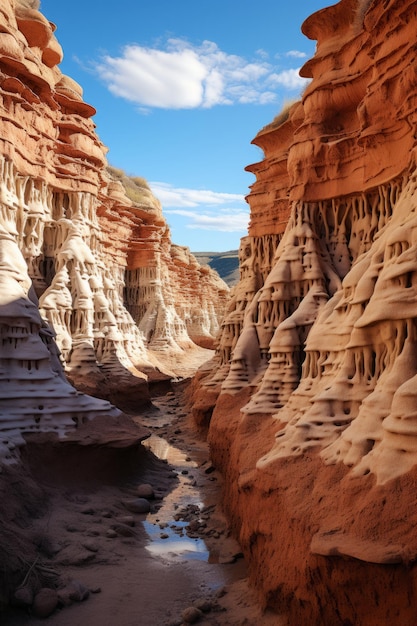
<point x="173" y="564"/>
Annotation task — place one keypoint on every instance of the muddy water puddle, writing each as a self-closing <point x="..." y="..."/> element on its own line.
<point x="169" y="534"/>
<point x="187" y="525"/>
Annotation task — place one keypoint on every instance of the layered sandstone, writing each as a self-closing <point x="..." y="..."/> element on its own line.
<point x="313" y="395"/>
<point x="91" y="280"/>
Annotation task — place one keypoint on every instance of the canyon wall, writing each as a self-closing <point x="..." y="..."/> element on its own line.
<point x="311" y="405"/>
<point x="93" y="290"/>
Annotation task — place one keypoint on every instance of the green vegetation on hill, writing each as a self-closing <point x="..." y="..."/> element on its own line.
<point x="226" y="264"/>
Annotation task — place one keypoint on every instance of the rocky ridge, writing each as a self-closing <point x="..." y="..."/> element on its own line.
<point x="311" y="403"/>
<point x="91" y="282"/>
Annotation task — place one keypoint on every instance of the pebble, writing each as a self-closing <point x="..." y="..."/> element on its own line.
<point x="145" y="491"/>
<point x="78" y="592"/>
<point x="73" y="529"/>
<point x="23" y="596"/>
<point x="123" y="530"/>
<point x="45" y="602"/>
<point x="87" y="511"/>
<point x="138" y="505"/>
<point x="191" y="615"/>
<point x="75" y="555"/>
<point x="90" y="545"/>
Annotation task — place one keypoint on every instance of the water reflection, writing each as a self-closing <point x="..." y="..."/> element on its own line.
<point x="168" y="537"/>
<point x="174" y="544"/>
<point x="166" y="452"/>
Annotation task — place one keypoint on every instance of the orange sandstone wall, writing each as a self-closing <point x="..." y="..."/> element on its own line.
<point x="91" y="280"/>
<point x="312" y="401"/>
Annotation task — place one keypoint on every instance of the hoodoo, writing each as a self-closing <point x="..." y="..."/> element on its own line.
<point x="91" y="282"/>
<point x="310" y="401"/>
<point x="311" y="405"/>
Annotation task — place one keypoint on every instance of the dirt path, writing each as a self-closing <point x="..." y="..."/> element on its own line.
<point x="145" y="569"/>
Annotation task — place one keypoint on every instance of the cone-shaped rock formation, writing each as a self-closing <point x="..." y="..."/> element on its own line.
<point x="89" y="278"/>
<point x="312" y="403"/>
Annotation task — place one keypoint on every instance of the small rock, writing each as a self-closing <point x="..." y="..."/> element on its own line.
<point x="95" y="589"/>
<point x="138" y="505"/>
<point x="74" y="529"/>
<point x="107" y="514"/>
<point x="64" y="597"/>
<point x="90" y="545"/>
<point x="129" y="520"/>
<point x="145" y="491"/>
<point x="87" y="511"/>
<point x="75" y="555"/>
<point x="78" y="592"/>
<point x="164" y="536"/>
<point x="111" y="534"/>
<point x="23" y="596"/>
<point x="191" y="615"/>
<point x="45" y="602"/>
<point x="123" y="530"/>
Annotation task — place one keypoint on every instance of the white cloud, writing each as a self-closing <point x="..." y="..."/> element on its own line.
<point x="290" y="79"/>
<point x="183" y="76"/>
<point x="228" y="221"/>
<point x="296" y="54"/>
<point x="204" y="209"/>
<point x="180" y="197"/>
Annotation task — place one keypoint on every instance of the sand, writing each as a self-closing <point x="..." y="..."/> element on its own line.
<point x="136" y="568"/>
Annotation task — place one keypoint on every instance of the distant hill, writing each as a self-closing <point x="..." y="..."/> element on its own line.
<point x="226" y="264"/>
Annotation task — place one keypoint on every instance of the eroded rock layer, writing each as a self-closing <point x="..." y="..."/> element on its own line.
<point x="312" y="401"/>
<point x="90" y="280"/>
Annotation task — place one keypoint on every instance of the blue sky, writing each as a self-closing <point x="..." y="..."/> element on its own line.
<point x="181" y="88"/>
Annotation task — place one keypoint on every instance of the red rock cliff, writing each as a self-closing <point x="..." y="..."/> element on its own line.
<point x="312" y="403"/>
<point x="84" y="268"/>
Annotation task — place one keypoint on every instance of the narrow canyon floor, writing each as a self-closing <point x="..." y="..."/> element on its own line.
<point x="136" y="568"/>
